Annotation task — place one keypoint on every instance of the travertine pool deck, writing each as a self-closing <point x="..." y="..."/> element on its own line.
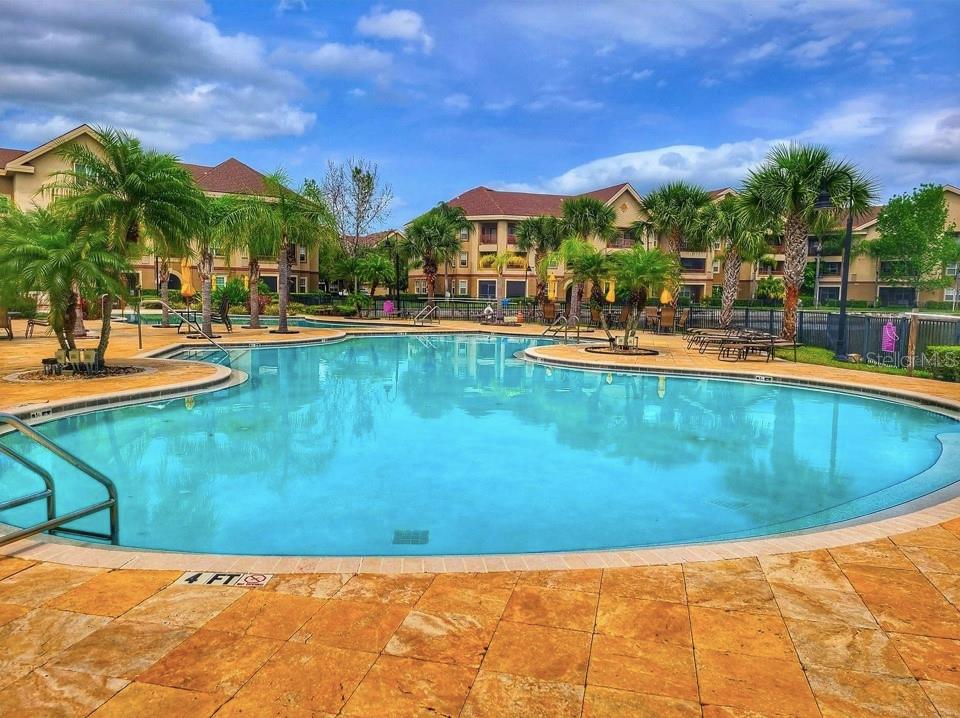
<point x="859" y="628"/>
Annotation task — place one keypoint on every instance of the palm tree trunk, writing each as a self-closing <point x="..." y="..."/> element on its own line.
<point x="165" y="292"/>
<point x="446" y="277"/>
<point x="676" y="243"/>
<point x="105" y="304"/>
<point x="284" y="288"/>
<point x="254" y="272"/>
<point x="731" y="281"/>
<point x="77" y="328"/>
<point x="206" y="291"/>
<point x="794" y="265"/>
<point x="430" y="270"/>
<point x="576" y="298"/>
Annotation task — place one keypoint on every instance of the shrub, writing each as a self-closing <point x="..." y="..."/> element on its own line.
<point x="944" y="361"/>
<point x="234" y="290"/>
<point x="770" y="288"/>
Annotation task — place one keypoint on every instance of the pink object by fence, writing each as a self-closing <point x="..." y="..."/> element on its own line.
<point x="888" y="342"/>
<point x="388" y="307"/>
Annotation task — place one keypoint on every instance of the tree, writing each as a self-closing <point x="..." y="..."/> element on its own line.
<point x="43" y="251"/>
<point x="358" y="200"/>
<point x="587" y="263"/>
<point x="240" y="231"/>
<point x="739" y="238"/>
<point x="673" y="211"/>
<point x="500" y="261"/>
<point x="639" y="271"/>
<point x="586" y="218"/>
<point x="433" y="238"/>
<point x="281" y="220"/>
<point x="127" y="193"/>
<point x="915" y="241"/>
<point x="209" y="239"/>
<point x="375" y="268"/>
<point x="542" y="235"/>
<point x="785" y="188"/>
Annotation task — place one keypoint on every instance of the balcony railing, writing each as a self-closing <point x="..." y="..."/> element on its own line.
<point x="621" y="243"/>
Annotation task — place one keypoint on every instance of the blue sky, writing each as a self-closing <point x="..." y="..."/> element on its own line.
<point x="540" y="95"/>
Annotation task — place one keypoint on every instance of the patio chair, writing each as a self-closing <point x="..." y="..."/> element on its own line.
<point x="222" y="315"/>
<point x="6" y="327"/>
<point x="667" y="316"/>
<point x="32" y="324"/>
<point x="549" y="312"/>
<point x="651" y="318"/>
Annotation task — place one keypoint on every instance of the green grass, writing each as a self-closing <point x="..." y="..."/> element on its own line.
<point x="824" y="357"/>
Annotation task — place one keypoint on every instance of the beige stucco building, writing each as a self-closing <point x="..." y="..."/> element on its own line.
<point x="23" y="173"/>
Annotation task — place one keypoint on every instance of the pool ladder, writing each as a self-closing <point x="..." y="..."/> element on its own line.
<point x="427" y="314"/>
<point x="54" y="523"/>
<point x="565" y="325"/>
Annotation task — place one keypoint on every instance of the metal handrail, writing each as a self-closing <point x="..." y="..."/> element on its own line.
<point x="425" y="313"/>
<point x="555" y="327"/>
<point x="571" y="322"/>
<point x="189" y="324"/>
<point x="53" y="522"/>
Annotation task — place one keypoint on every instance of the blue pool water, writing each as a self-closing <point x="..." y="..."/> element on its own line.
<point x="332" y="449"/>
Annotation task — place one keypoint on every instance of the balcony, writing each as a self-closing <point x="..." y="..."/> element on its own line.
<point x="621" y="243"/>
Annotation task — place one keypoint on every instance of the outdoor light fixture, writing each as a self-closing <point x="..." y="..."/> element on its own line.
<point x="825" y="202"/>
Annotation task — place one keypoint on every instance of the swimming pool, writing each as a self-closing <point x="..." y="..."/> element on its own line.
<point x="238" y="319"/>
<point x="400" y="445"/>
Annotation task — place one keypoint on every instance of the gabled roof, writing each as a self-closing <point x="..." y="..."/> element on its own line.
<point x="865" y="219"/>
<point x="229" y="177"/>
<point x="8" y="155"/>
<point x="374" y="238"/>
<point x="483" y="201"/>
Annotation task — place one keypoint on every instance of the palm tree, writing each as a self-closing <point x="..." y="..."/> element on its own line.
<point x="209" y="239"/>
<point x="672" y="211"/>
<point x="542" y="235"/>
<point x="434" y="237"/>
<point x="42" y="251"/>
<point x="739" y="238"/>
<point x="587" y="218"/>
<point x="587" y="263"/>
<point x="281" y="220"/>
<point x="128" y="193"/>
<point x="500" y="261"/>
<point x="239" y="232"/>
<point x="785" y="188"/>
<point x="639" y="271"/>
<point x="375" y="268"/>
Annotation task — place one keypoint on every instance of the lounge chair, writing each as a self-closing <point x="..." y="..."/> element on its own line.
<point x="667" y="317"/>
<point x="222" y="315"/>
<point x="33" y="323"/>
<point x="6" y="327"/>
<point x="651" y="318"/>
<point x="549" y="312"/>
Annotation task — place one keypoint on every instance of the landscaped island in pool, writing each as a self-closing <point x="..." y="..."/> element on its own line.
<point x="451" y="445"/>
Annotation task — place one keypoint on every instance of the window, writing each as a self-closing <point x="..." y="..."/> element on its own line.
<point x="951" y="269"/>
<point x="487" y="289"/>
<point x="830" y="269"/>
<point x="897" y="296"/>
<point x="716" y="267"/>
<point x="464" y="234"/>
<point x="464" y="259"/>
<point x="270" y="281"/>
<point x="829" y="294"/>
<point x="552" y="263"/>
<point x="516" y="288"/>
<point x="463" y="288"/>
<point x="303" y="285"/>
<point x="219" y="280"/>
<point x="622" y="240"/>
<point x="420" y="286"/>
<point x="132" y="280"/>
<point x="693" y="264"/>
<point x="511" y="233"/>
<point x="302" y="253"/>
<point x="488" y="233"/>
<point x="950" y="293"/>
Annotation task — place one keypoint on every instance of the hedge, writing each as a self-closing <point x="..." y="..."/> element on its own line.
<point x="944" y="361"/>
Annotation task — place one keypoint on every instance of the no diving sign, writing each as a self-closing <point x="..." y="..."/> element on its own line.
<point x="209" y="578"/>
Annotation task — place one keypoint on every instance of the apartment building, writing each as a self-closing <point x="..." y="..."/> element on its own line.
<point x="23" y="173"/>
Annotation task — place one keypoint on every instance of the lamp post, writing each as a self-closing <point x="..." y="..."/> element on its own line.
<point x="824" y="201"/>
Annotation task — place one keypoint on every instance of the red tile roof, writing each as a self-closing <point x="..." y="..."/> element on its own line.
<point x="7" y="155"/>
<point x="866" y="217"/>
<point x="484" y="201"/>
<point x="374" y="238"/>
<point x="229" y="177"/>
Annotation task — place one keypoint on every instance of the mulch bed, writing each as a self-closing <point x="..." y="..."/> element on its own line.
<point x="105" y="373"/>
<point x="631" y="351"/>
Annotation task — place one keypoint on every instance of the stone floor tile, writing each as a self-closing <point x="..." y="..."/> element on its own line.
<point x="11" y="671"/>
<point x="662" y="583"/>
<point x="930" y="537"/>
<point x="42" y="582"/>
<point x="114" y="593"/>
<point x="905" y="601"/>
<point x="500" y="695"/>
<point x="944" y="696"/>
<point x="443" y="637"/>
<point x="122" y="649"/>
<point x="10" y="565"/>
<point x="303" y="676"/>
<point x="852" y="693"/>
<point x="404" y="589"/>
<point x="581" y="579"/>
<point x="10" y="611"/>
<point x="948" y="584"/>
<point x="882" y="553"/>
<point x="211" y="661"/>
<point x="39" y="635"/>
<point x="185" y="606"/>
<point x="644" y="620"/>
<point x="664" y="669"/>
<point x="145" y="699"/>
<point x="934" y="559"/>
<point x="800" y="570"/>
<point x="934" y="659"/>
<point x="403" y="688"/>
<point x="734" y="585"/>
<point x="559" y="608"/>
<point x="765" y="686"/>
<point x="314" y="585"/>
<point x="953" y="525"/>
<point x="550" y="654"/>
<point x="752" y="634"/>
<point x="822" y="604"/>
<point x="450" y="596"/>
<point x="601" y="702"/>
<point x="710" y="711"/>
<point x="353" y="624"/>
<point x="266" y="614"/>
<point x="56" y="692"/>
<point x="836" y="646"/>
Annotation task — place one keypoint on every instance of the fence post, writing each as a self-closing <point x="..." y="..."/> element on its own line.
<point x="746" y="317"/>
<point x="912" y="343"/>
<point x="770" y="322"/>
<point x="799" y="337"/>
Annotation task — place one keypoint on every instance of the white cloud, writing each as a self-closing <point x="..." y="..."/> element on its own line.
<point x="856" y="118"/>
<point x="458" y="102"/>
<point x="641" y="74"/>
<point x="164" y="71"/>
<point x="357" y="92"/>
<point x="288" y="5"/>
<point x="338" y="59"/>
<point x="930" y="138"/>
<point x="760" y="52"/>
<point x="395" y="25"/>
<point x="814" y="52"/>
<point x="499" y="105"/>
<point x="562" y="102"/>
